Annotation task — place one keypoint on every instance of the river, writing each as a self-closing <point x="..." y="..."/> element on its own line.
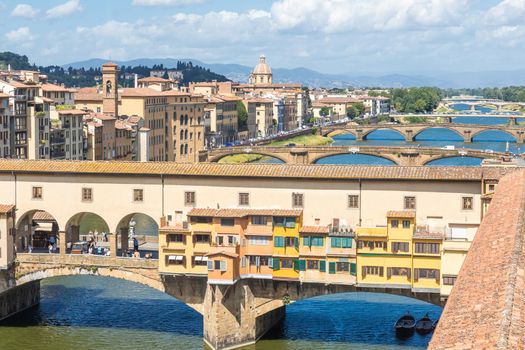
<point x="87" y="312"/>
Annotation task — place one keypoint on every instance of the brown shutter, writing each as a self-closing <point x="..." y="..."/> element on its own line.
<point x="409" y="272"/>
<point x="363" y="271"/>
<point x="437" y="276"/>
<point x="416" y="275"/>
<point x="388" y="272"/>
<point x="381" y="271"/>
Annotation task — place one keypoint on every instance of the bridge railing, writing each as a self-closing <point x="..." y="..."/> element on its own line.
<point x="86" y="260"/>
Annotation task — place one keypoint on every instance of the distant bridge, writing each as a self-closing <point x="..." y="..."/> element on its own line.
<point x="405" y="156"/>
<point x="449" y="117"/>
<point x="410" y="131"/>
<point x="473" y="102"/>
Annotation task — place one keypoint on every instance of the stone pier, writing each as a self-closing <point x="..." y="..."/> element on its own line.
<point x="20" y="298"/>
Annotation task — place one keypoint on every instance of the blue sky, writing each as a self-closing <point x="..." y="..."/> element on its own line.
<point x="331" y="36"/>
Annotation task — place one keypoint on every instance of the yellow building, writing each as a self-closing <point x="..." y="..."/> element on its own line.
<point x="285" y="261"/>
<point x="398" y="255"/>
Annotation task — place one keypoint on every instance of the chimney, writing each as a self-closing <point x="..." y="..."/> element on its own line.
<point x="136" y="80"/>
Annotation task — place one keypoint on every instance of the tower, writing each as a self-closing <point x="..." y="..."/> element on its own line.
<point x="262" y="73"/>
<point x="110" y="89"/>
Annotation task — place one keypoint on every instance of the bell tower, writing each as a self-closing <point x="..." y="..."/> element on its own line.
<point x="110" y="89"/>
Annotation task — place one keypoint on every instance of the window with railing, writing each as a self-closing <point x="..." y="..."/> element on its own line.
<point x="427" y="248"/>
<point x="400" y="247"/>
<point x="287" y="222"/>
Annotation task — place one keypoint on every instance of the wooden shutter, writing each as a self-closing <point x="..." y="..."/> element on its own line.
<point x="322" y="265"/>
<point x="359" y="244"/>
<point x="270" y="262"/>
<point x="363" y="271"/>
<point x="409" y="273"/>
<point x="416" y="275"/>
<point x="296" y="265"/>
<point x="276" y="264"/>
<point x="224" y="265"/>
<point x="210" y="265"/>
<point x="331" y="268"/>
<point x="306" y="241"/>
<point x="381" y="271"/>
<point x="353" y="268"/>
<point x="302" y="265"/>
<point x="388" y="272"/>
<point x="437" y="276"/>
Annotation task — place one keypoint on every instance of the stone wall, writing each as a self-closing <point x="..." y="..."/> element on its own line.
<point x="19" y="298"/>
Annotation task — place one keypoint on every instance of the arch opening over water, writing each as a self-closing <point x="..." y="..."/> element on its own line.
<point x="35" y="230"/>
<point x="455" y="161"/>
<point x="355" y="159"/>
<point x="438" y="133"/>
<point x="384" y="134"/>
<point x="248" y="157"/>
<point x="493" y="135"/>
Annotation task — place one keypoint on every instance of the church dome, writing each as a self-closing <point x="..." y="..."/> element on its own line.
<point x="262" y="67"/>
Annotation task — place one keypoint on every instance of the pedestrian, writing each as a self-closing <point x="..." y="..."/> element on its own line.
<point x="30" y="248"/>
<point x="135" y="244"/>
<point x="50" y="248"/>
<point x="105" y="237"/>
<point x="108" y="253"/>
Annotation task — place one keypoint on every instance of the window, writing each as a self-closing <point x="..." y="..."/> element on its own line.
<point x="244" y="198"/>
<point x="297" y="200"/>
<point x="353" y="201"/>
<point x="259" y="220"/>
<point x="341" y="242"/>
<point x="394" y="223"/>
<point x="400" y="247"/>
<point x="398" y="271"/>
<point x="189" y="198"/>
<point x="410" y="202"/>
<point x="449" y="280"/>
<point x="37" y="192"/>
<point x="258" y="260"/>
<point x="406" y="223"/>
<point x="291" y="242"/>
<point x="138" y="195"/>
<point x="201" y="220"/>
<point x="87" y="194"/>
<point x="200" y="261"/>
<point x="373" y="270"/>
<point x="287" y="263"/>
<point x="178" y="238"/>
<point x="343" y="267"/>
<point x="313" y="241"/>
<point x="227" y="222"/>
<point x="259" y="240"/>
<point x="492" y="188"/>
<point x="288" y="222"/>
<point x="201" y="238"/>
<point x="312" y="264"/>
<point x="278" y="241"/>
<point x="427" y="248"/>
<point x="175" y="259"/>
<point x="467" y="203"/>
<point x="428" y="273"/>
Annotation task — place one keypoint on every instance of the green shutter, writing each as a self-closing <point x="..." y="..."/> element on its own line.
<point x="278" y="241"/>
<point x="302" y="265"/>
<point x="322" y="265"/>
<point x="353" y="269"/>
<point x="276" y="264"/>
<point x="336" y="242"/>
<point x="306" y="241"/>
<point x="331" y="267"/>
<point x="296" y="265"/>
<point x="296" y="242"/>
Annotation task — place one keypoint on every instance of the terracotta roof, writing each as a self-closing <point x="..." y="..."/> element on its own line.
<point x="222" y="252"/>
<point x="20" y="85"/>
<point x="140" y="92"/>
<point x="229" y="98"/>
<point x="259" y="230"/>
<point x="54" y="88"/>
<point x="174" y="229"/>
<point x="259" y="100"/>
<point x="486" y="308"/>
<point x="294" y="172"/>
<point x="241" y="212"/>
<point x="5" y="208"/>
<point x="87" y="90"/>
<point x="110" y="64"/>
<point x="335" y="100"/>
<point x="175" y="93"/>
<point x="315" y="229"/>
<point x="81" y="96"/>
<point x="72" y="111"/>
<point x="202" y="212"/>
<point x="409" y="214"/>
<point x="43" y="216"/>
<point x="425" y="234"/>
<point x="104" y="117"/>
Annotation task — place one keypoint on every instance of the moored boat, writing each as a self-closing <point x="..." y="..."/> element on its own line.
<point x="405" y="326"/>
<point x="424" y="325"/>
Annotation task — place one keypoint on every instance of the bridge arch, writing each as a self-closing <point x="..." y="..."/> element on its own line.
<point x="324" y="156"/>
<point x="429" y="162"/>
<point x="35" y="227"/>
<point x="498" y="130"/>
<point x="217" y="158"/>
<point x="437" y="127"/>
<point x="86" y="223"/>
<point x="368" y="132"/>
<point x="138" y="224"/>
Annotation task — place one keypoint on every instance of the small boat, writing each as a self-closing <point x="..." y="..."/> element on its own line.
<point x="435" y="323"/>
<point x="424" y="325"/>
<point x="405" y="326"/>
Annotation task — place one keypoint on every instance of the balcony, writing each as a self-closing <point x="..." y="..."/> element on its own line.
<point x="58" y="140"/>
<point x="58" y="155"/>
<point x="20" y="97"/>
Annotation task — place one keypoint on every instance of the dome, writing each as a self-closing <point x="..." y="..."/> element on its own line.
<point x="262" y="67"/>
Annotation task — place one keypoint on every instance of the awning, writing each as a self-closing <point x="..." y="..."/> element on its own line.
<point x="201" y="258"/>
<point x="175" y="258"/>
<point x="44" y="226"/>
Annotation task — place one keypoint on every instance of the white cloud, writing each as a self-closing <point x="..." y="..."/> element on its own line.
<point x="20" y="35"/>
<point x="506" y="12"/>
<point x="167" y="2"/>
<point x="24" y="10"/>
<point x="64" y="9"/>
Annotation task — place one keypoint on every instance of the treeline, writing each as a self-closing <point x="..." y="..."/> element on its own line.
<point x="81" y="77"/>
<point x="415" y="100"/>
<point x="510" y="93"/>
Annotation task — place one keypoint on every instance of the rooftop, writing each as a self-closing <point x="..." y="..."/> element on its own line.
<point x="240" y="213"/>
<point x="5" y="208"/>
<point x="53" y="88"/>
<point x="315" y="229"/>
<point x="408" y="214"/>
<point x="294" y="172"/>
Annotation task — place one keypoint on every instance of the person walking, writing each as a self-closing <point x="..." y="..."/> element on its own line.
<point x="135" y="244"/>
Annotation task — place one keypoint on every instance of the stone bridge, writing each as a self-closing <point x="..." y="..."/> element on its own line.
<point x="405" y="156"/>
<point x="234" y="316"/>
<point x="410" y="131"/>
<point x="480" y="102"/>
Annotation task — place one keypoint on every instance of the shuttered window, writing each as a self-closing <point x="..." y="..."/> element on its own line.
<point x="353" y="268"/>
<point x="400" y="247"/>
<point x="353" y="201"/>
<point x="244" y="198"/>
<point x="189" y="198"/>
<point x="297" y="200"/>
<point x="278" y="241"/>
<point x="322" y="265"/>
<point x="410" y="203"/>
<point x="331" y="267"/>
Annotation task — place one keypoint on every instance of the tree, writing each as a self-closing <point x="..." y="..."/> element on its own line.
<point x="351" y="112"/>
<point x="325" y="111"/>
<point x="359" y="107"/>
<point x="242" y="116"/>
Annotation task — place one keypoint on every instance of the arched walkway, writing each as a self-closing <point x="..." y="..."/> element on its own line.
<point x="455" y="161"/>
<point x="244" y="157"/>
<point x="140" y="226"/>
<point x="438" y="133"/>
<point x="36" y="229"/>
<point x="354" y="159"/>
<point x="383" y="134"/>
<point x="85" y="225"/>
<point x="493" y="135"/>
